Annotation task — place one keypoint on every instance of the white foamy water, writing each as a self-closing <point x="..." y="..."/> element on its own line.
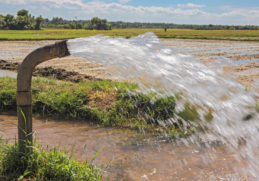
<point x="156" y="68"/>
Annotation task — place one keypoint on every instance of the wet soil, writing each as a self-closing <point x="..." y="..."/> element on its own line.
<point x="128" y="155"/>
<point x="239" y="59"/>
<point x="245" y="57"/>
<point x="57" y="73"/>
<point x="242" y="57"/>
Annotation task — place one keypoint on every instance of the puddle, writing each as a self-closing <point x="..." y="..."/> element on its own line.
<point x="128" y="155"/>
<point x="6" y="73"/>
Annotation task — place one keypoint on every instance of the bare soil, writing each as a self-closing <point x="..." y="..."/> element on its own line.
<point x="240" y="59"/>
<point x="58" y="73"/>
<point x="243" y="56"/>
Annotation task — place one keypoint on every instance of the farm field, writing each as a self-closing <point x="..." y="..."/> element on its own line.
<point x="58" y="34"/>
<point x="239" y="59"/>
<point x="128" y="154"/>
<point x="129" y="90"/>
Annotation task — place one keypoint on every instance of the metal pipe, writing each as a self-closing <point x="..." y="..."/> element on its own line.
<point x="24" y="97"/>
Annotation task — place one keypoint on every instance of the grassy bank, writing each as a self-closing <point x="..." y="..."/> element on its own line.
<point x="103" y="102"/>
<point x="43" y="165"/>
<point x="57" y="34"/>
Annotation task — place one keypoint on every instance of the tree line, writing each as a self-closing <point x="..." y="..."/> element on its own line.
<point x="22" y="21"/>
<point x="25" y="21"/>
<point x="93" y="24"/>
<point x="122" y="25"/>
<point x="57" y="22"/>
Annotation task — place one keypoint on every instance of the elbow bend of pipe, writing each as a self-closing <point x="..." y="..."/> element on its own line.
<point x="24" y="76"/>
<point x="58" y="49"/>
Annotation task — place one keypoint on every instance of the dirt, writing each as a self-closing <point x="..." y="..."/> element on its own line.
<point x="5" y="65"/>
<point x="245" y="57"/>
<point x="206" y="51"/>
<point x="102" y="100"/>
<point x="62" y="74"/>
<point x="242" y="68"/>
<point x="16" y="51"/>
<point x="247" y="80"/>
<point x="240" y="56"/>
<point x="58" y="73"/>
<point x="123" y="154"/>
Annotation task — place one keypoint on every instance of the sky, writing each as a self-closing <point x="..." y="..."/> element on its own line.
<point x="224" y="12"/>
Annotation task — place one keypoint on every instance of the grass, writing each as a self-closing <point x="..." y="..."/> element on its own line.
<point x="40" y="164"/>
<point x="58" y="34"/>
<point x="104" y="102"/>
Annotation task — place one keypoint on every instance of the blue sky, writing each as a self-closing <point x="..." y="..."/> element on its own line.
<point x="231" y="12"/>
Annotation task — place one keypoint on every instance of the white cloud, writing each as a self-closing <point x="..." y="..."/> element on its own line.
<point x="14" y="1"/>
<point x="191" y="5"/>
<point x="56" y="2"/>
<point x="124" y="1"/>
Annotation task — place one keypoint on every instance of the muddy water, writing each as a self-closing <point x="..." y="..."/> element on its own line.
<point x="127" y="155"/>
<point x="5" y="73"/>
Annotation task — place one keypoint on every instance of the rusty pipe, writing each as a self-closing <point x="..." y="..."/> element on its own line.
<point x="24" y="95"/>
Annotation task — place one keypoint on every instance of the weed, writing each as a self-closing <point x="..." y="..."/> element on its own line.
<point x="40" y="164"/>
<point x="190" y="113"/>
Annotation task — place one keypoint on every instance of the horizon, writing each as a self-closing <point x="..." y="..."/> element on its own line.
<point x="189" y="12"/>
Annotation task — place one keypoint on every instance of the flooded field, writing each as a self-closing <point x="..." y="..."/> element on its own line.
<point x="240" y="59"/>
<point x="129" y="155"/>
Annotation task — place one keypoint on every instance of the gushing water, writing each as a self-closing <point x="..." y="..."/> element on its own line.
<point x="155" y="68"/>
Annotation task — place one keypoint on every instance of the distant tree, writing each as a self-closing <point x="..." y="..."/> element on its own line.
<point x="23" y="21"/>
<point x="10" y="21"/>
<point x="22" y="12"/>
<point x="57" y="21"/>
<point x="98" y="24"/>
<point x="38" y="21"/>
<point x="2" y="22"/>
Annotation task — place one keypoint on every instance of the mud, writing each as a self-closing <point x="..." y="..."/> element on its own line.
<point x="127" y="155"/>
<point x="243" y="56"/>
<point x="58" y="73"/>
<point x="234" y="57"/>
<point x="6" y="65"/>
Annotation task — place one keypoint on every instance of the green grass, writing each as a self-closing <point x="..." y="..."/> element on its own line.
<point x="58" y="34"/>
<point x="41" y="164"/>
<point x="104" y="102"/>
